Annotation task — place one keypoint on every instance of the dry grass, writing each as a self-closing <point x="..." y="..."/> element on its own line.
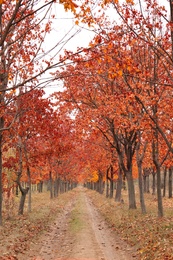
<point x="152" y="236"/>
<point x="19" y="232"/>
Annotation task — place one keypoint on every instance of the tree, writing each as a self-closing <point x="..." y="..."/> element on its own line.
<point x="97" y="92"/>
<point x="22" y="57"/>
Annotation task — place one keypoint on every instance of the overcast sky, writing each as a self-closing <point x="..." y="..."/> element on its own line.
<point x="63" y="29"/>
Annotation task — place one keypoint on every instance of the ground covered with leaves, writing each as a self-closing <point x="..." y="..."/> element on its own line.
<point x="150" y="236"/>
<point x="19" y="233"/>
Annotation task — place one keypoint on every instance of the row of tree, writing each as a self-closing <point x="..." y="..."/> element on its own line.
<point x="120" y="91"/>
<point x="113" y="116"/>
<point x="32" y="134"/>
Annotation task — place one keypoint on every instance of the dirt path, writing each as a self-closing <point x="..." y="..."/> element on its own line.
<point x="80" y="233"/>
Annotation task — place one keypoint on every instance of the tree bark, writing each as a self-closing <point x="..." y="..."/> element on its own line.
<point x="159" y="194"/>
<point x="131" y="191"/>
<point x="154" y="183"/>
<point x="141" y="189"/>
<point x="139" y="158"/>
<point x="22" y="199"/>
<point x="107" y="183"/>
<point x="148" y="184"/>
<point x="158" y="169"/>
<point x="164" y="182"/>
<point x="107" y="188"/>
<point x="40" y="187"/>
<point x="170" y="183"/>
<point x="51" y="185"/>
<point x="119" y="186"/>
<point x="1" y="197"/>
<point x="144" y="182"/>
<point x="101" y="188"/>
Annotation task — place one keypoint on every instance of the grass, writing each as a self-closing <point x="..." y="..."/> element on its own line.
<point x="152" y="236"/>
<point x="76" y="223"/>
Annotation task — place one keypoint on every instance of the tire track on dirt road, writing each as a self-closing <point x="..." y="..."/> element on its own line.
<point x="80" y="233"/>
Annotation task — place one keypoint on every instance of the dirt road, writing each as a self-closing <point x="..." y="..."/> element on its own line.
<point x="80" y="233"/>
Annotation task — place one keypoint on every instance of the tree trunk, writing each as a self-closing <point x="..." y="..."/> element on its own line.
<point x="119" y="186"/>
<point x="111" y="182"/>
<point x="65" y="186"/>
<point x="107" y="188"/>
<point x="101" y="188"/>
<point x="111" y="188"/>
<point x="17" y="190"/>
<point x="100" y="183"/>
<point x="131" y="190"/>
<point x="148" y="183"/>
<point x="56" y="187"/>
<point x="1" y="124"/>
<point x="170" y="183"/>
<point x="3" y="86"/>
<point x="155" y="151"/>
<point x="145" y="183"/>
<point x="22" y="200"/>
<point x="107" y="183"/>
<point x="124" y="182"/>
<point x="154" y="183"/>
<point x="159" y="193"/>
<point x="139" y="158"/>
<point x="164" y="182"/>
<point x="29" y="186"/>
<point x="91" y="185"/>
<point x="51" y="185"/>
<point x="60" y="186"/>
<point x="141" y="190"/>
<point x="146" y="173"/>
<point x="40" y="187"/>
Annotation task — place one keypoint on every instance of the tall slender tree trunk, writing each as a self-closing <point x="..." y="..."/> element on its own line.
<point x="23" y="191"/>
<point x="56" y="187"/>
<point x="171" y="20"/>
<point x="141" y="189"/>
<point x="22" y="199"/>
<point x="111" y="182"/>
<point x="28" y="176"/>
<point x="2" y="87"/>
<point x="159" y="194"/>
<point x="51" y="185"/>
<point x="1" y="124"/>
<point x="170" y="183"/>
<point x="164" y="182"/>
<point x="107" y="188"/>
<point x="154" y="183"/>
<point x="131" y="190"/>
<point x="129" y="177"/>
<point x="101" y="188"/>
<point x="119" y="185"/>
<point x="139" y="158"/>
<point x="148" y="183"/>
<point x="144" y="182"/>
<point x="158" y="169"/>
<point x="30" y="191"/>
<point x="107" y="183"/>
<point x="111" y="193"/>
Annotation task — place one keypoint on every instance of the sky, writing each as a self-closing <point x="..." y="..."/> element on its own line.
<point x="63" y="29"/>
<point x="66" y="34"/>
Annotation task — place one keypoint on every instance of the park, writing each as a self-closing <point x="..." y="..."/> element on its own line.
<point x="86" y="120"/>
